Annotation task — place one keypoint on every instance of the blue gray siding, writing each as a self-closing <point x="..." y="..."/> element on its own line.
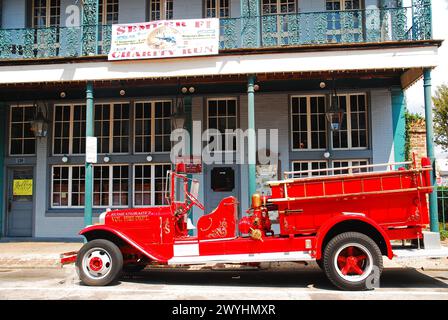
<point x="382" y="131"/>
<point x="14" y="14"/>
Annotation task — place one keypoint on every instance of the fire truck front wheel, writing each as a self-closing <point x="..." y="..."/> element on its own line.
<point x="99" y="263"/>
<point x="352" y="261"/>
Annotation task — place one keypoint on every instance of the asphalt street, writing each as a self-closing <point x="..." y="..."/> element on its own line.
<point x="307" y="283"/>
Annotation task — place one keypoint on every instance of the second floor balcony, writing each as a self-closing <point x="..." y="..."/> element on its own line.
<point x="377" y="25"/>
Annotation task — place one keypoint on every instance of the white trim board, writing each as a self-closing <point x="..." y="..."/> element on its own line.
<point x="342" y="60"/>
<point x="245" y="257"/>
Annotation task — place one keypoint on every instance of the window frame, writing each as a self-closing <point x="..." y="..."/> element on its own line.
<point x="342" y="5"/>
<point x="310" y="163"/>
<point x="347" y="117"/>
<point x="279" y="7"/>
<point x="350" y="164"/>
<point x="70" y="186"/>
<point x="153" y="125"/>
<point x="163" y="10"/>
<point x="237" y="121"/>
<point x="104" y="13"/>
<point x="308" y="115"/>
<point x="111" y="126"/>
<point x="48" y="16"/>
<point x="71" y="128"/>
<point x="153" y="183"/>
<point x="217" y="9"/>
<point x="110" y="191"/>
<point x="22" y="138"/>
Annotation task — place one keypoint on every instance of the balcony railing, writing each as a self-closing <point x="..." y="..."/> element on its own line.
<point x="310" y="28"/>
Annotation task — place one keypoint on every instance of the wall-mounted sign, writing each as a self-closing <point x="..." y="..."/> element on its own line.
<point x="23" y="187"/>
<point x="165" y="39"/>
<point x="91" y="150"/>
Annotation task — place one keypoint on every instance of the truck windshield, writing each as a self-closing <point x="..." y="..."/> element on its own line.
<point x="179" y="190"/>
<point x="194" y="189"/>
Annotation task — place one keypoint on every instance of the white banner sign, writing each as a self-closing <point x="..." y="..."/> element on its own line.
<point x="165" y="39"/>
<point x="91" y="150"/>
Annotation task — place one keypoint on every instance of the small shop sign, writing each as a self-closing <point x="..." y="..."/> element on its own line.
<point x="23" y="187"/>
<point x="165" y="39"/>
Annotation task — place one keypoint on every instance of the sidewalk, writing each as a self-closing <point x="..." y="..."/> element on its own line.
<point x="38" y="255"/>
<point x="34" y="254"/>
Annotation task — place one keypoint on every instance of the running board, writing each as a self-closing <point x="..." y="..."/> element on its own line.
<point x="242" y="258"/>
<point x="421" y="253"/>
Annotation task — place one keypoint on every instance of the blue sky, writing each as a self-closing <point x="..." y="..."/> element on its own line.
<point x="414" y="94"/>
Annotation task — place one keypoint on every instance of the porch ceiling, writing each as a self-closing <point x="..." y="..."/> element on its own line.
<point x="233" y="84"/>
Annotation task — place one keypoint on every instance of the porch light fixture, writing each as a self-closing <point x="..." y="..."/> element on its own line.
<point x="335" y="114"/>
<point x="179" y="116"/>
<point x="39" y="125"/>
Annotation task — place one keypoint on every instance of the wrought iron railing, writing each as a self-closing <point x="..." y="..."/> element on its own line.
<point x="442" y="196"/>
<point x="308" y="28"/>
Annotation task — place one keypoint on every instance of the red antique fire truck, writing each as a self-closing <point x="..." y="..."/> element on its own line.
<point x="346" y="223"/>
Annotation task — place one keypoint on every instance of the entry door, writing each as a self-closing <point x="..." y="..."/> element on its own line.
<point x="20" y="202"/>
<point x="222" y="181"/>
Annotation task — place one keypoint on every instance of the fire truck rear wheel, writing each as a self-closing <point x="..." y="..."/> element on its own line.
<point x="99" y="263"/>
<point x="352" y="261"/>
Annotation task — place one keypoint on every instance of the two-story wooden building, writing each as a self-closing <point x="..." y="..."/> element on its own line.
<point x="280" y="64"/>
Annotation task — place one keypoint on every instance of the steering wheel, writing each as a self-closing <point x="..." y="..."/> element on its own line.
<point x="196" y="201"/>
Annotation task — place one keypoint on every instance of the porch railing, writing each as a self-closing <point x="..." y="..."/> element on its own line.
<point x="442" y="196"/>
<point x="307" y="28"/>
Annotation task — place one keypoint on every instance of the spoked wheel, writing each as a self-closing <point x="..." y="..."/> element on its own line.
<point x="353" y="261"/>
<point x="99" y="263"/>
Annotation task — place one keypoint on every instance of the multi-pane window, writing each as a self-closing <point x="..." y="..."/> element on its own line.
<point x="22" y="139"/>
<point x="153" y="126"/>
<point x="60" y="194"/>
<point x="46" y="13"/>
<point x="150" y="184"/>
<point x="112" y="127"/>
<point x="337" y="5"/>
<point x="337" y="19"/>
<point x="108" y="12"/>
<point x="353" y="133"/>
<point x="69" y="129"/>
<point x="161" y="10"/>
<point x="68" y="186"/>
<point x="350" y="163"/>
<point x="222" y="116"/>
<point x="111" y="186"/>
<point x="217" y="8"/>
<point x="308" y="123"/>
<point x="162" y="126"/>
<point x="278" y="6"/>
<point x="298" y="166"/>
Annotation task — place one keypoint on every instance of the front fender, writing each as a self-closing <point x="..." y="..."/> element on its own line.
<point x="152" y="254"/>
<point x="327" y="226"/>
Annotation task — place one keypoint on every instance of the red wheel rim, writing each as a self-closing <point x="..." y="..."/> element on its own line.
<point x="96" y="264"/>
<point x="352" y="261"/>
